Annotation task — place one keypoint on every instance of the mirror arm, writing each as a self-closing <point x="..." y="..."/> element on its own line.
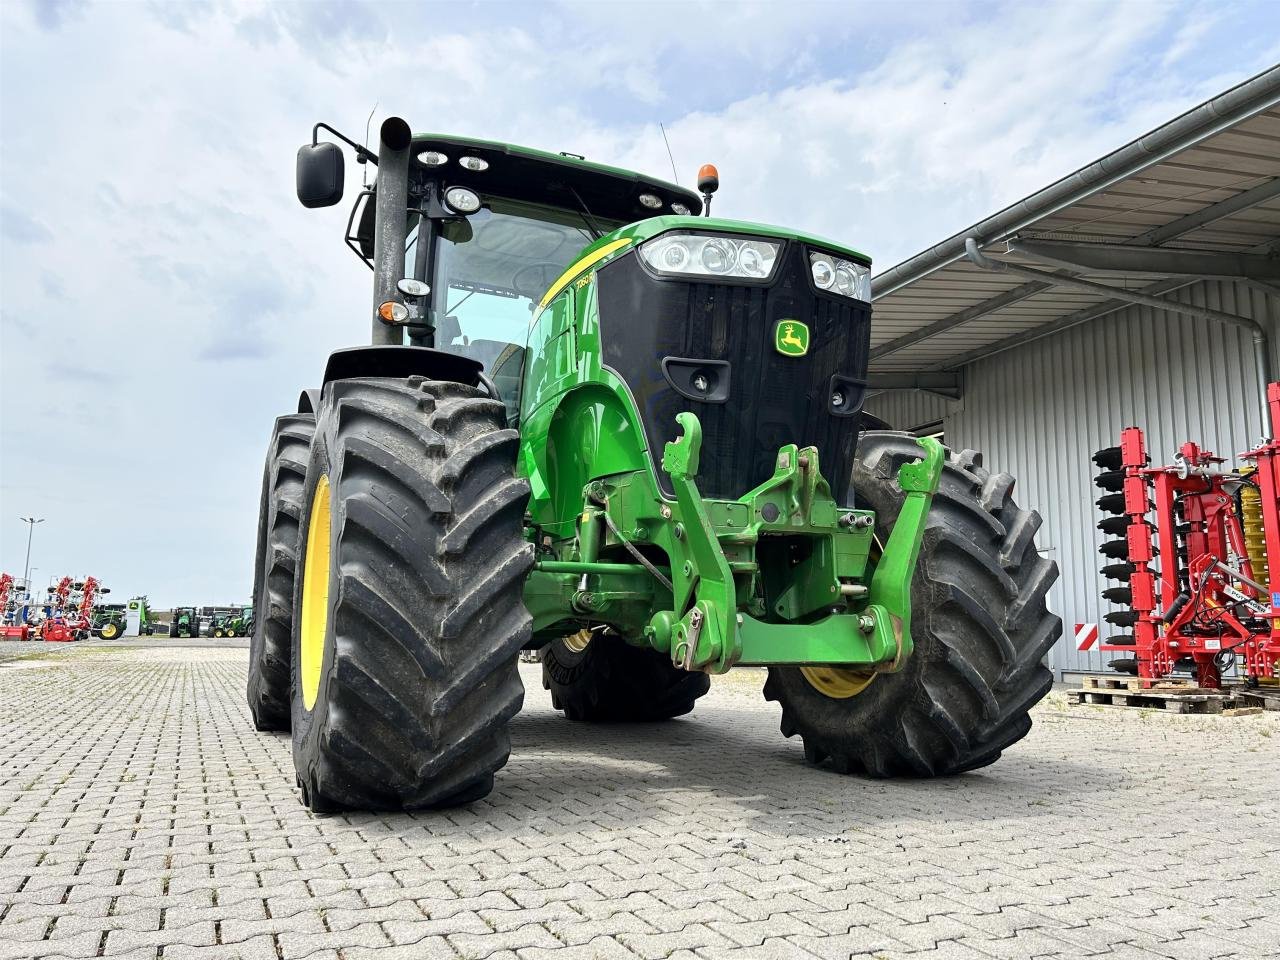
<point x="363" y="154"/>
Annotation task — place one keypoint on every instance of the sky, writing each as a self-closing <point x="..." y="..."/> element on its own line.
<point x="163" y="296"/>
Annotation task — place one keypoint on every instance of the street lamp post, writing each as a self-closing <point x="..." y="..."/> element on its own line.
<point x="31" y="527"/>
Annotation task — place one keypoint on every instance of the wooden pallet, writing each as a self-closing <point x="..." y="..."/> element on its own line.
<point x="1197" y="700"/>
<point x="1139" y="684"/>
<point x="1261" y="698"/>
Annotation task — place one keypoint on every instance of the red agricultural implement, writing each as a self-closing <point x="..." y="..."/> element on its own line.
<point x="13" y="606"/>
<point x="1214" y="598"/>
<point x="70" y="610"/>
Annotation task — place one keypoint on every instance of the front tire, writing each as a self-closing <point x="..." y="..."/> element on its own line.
<point x="979" y="622"/>
<point x="409" y="596"/>
<point x="109" y="631"/>
<point x="608" y="680"/>
<point x="279" y="511"/>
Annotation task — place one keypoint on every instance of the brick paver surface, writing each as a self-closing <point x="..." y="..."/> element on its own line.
<point x="141" y="816"/>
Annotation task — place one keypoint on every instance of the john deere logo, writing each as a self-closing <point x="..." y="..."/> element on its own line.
<point x="791" y="337"/>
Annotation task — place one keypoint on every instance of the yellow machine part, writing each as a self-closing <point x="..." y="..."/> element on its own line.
<point x="1255" y="541"/>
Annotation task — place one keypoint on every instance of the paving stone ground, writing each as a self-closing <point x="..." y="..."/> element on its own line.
<point x="141" y="816"/>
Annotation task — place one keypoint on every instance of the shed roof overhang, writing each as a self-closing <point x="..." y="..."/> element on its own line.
<point x="1197" y="198"/>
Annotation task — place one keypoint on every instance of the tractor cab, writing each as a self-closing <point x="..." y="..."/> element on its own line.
<point x="488" y="229"/>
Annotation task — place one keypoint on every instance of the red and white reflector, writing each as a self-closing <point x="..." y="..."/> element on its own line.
<point x="1086" y="636"/>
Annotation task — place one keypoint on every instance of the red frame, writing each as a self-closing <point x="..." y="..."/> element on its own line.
<point x="1215" y="531"/>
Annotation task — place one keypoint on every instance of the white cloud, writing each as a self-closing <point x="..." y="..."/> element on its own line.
<point x="163" y="296"/>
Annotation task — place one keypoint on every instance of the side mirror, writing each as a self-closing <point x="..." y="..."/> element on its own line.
<point x="321" y="171"/>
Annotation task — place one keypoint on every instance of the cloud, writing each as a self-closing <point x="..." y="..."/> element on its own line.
<point x="51" y="14"/>
<point x="150" y="239"/>
<point x="18" y="227"/>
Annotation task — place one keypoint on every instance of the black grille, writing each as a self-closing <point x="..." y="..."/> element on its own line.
<point x="773" y="399"/>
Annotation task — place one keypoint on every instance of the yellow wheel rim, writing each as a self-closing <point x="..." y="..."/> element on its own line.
<point x="109" y="631"/>
<point x="836" y="683"/>
<point x="315" y="595"/>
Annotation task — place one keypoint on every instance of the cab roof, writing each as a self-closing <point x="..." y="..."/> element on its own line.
<point x="538" y="176"/>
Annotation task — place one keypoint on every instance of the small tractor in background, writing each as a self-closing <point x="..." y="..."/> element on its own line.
<point x="1214" y="599"/>
<point x="594" y="423"/>
<point x="237" y="622"/>
<point x="184" y="622"/>
<point x="109" y="621"/>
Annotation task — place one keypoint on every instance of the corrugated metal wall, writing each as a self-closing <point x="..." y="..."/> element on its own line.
<point x="1041" y="410"/>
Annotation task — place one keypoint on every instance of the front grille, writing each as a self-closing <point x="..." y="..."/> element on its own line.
<point x="773" y="399"/>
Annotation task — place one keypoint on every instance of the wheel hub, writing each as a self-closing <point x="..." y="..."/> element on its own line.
<point x="837" y="683"/>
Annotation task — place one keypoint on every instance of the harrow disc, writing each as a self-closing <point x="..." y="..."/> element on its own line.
<point x="1111" y="503"/>
<point x="1115" y="549"/>
<point x="1120" y="595"/>
<point x="1114" y="526"/>
<point x="1112" y="480"/>
<point x="1122" y="618"/>
<point x="1118" y="571"/>
<point x="1108" y="458"/>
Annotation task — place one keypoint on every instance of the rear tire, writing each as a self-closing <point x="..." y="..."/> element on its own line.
<point x="979" y="623"/>
<point x="279" y="511"/>
<point x="109" y="631"/>
<point x="611" y="681"/>
<point x="410" y="623"/>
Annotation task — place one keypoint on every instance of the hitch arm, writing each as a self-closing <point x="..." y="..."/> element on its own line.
<point x="890" y="595"/>
<point x="707" y="632"/>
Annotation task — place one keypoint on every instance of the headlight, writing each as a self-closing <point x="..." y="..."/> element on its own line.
<point x="836" y="275"/>
<point x="461" y="200"/>
<point x="717" y="256"/>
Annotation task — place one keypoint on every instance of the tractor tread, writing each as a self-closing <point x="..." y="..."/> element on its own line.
<point x="279" y="512"/>
<point x="980" y="624"/>
<point x="420" y="679"/>
<point x="611" y="681"/>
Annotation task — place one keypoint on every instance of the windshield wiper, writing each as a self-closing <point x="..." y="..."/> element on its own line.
<point x="596" y="232"/>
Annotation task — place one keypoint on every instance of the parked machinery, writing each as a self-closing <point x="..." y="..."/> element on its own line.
<point x="239" y="622"/>
<point x="1216" y="594"/>
<point x="184" y="623"/>
<point x="15" y="600"/>
<point x="72" y="616"/>
<point x="631" y="437"/>
<point x="109" y="621"/>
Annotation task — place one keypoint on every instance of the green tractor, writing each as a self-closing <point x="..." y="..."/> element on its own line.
<point x="594" y="423"/>
<point x="109" y="621"/>
<point x="237" y="623"/>
<point x="185" y="622"/>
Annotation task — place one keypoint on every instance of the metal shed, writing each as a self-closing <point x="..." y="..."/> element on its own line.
<point x="1142" y="289"/>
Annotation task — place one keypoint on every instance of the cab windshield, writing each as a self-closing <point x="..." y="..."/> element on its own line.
<point x="492" y="269"/>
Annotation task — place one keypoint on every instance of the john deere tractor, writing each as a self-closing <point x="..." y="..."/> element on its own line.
<point x="593" y="422"/>
<point x="185" y="622"/>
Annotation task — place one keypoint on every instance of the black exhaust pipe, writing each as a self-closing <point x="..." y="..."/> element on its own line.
<point x="394" y="138"/>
